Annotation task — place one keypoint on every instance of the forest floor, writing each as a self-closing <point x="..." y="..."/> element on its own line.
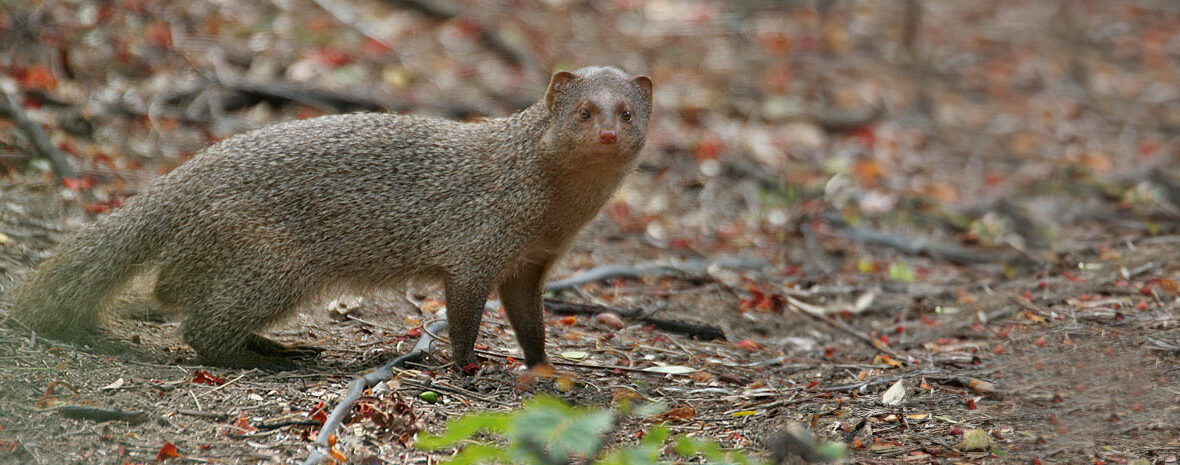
<point x="978" y="200"/>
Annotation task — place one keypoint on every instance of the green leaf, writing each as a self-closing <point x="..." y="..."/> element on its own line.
<point x="649" y="409"/>
<point x="479" y="453"/>
<point x="464" y="428"/>
<point x="831" y="451"/>
<point x="899" y="271"/>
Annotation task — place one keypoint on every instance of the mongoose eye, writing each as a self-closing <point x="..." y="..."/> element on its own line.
<point x="585" y="114"/>
<point x="626" y="115"/>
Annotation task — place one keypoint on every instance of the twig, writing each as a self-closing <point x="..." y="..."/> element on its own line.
<point x="102" y="414"/>
<point x="40" y="144"/>
<point x="319" y="449"/>
<point x="695" y="269"/>
<point x="452" y="390"/>
<point x="816" y="313"/>
<point x="347" y="15"/>
<point x="700" y="331"/>
<point x="488" y="36"/>
<point x="227" y="383"/>
<point x="915" y="246"/>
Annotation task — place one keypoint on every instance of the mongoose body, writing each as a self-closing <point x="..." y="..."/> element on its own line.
<point x="259" y="224"/>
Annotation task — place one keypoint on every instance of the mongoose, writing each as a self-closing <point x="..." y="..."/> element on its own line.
<point x="256" y="225"/>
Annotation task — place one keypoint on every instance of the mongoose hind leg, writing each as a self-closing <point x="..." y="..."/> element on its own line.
<point x="223" y="314"/>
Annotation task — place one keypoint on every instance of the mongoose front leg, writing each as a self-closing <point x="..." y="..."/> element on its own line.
<point x="521" y="295"/>
<point x="465" y="303"/>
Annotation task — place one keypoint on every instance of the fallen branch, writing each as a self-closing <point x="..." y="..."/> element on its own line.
<point x="102" y="414"/>
<point x="817" y="313"/>
<point x="487" y="35"/>
<point x="693" y="270"/>
<point x="40" y="145"/>
<point x="915" y="246"/>
<point x="699" y="331"/>
<point x="320" y="448"/>
<point x="348" y="16"/>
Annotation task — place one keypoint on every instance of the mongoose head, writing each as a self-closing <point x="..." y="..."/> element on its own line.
<point x="599" y="111"/>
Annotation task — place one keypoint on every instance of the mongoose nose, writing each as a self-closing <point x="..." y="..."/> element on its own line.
<point x="607" y="137"/>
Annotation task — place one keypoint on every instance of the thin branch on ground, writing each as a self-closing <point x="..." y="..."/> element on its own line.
<point x="358" y="386"/>
<point x="915" y="245"/>
<point x="693" y="270"/>
<point x="39" y="144"/>
<point x="700" y="331"/>
<point x="817" y="313"/>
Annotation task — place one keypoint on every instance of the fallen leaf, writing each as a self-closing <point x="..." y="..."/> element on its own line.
<point x="574" y="355"/>
<point x="115" y="385"/>
<point x="895" y="395"/>
<point x="610" y="319"/>
<point x="975" y="440"/>
<point x="980" y="386"/>
<point x="167" y="451"/>
<point x="203" y="377"/>
<point x="670" y="370"/>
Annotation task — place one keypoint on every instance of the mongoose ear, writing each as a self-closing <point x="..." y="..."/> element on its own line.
<point x="644" y="84"/>
<point x="560" y="79"/>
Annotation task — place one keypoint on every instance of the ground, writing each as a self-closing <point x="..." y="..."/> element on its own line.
<point x="978" y="200"/>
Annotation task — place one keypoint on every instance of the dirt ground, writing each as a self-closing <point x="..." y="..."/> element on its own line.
<point x="978" y="200"/>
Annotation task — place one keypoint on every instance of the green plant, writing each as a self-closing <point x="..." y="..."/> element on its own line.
<point x="547" y="431"/>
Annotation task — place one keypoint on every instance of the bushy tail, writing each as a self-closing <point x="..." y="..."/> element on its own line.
<point x="64" y="296"/>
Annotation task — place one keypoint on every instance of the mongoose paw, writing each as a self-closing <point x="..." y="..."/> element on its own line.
<point x="269" y="348"/>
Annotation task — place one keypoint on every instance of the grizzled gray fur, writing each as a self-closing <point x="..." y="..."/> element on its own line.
<point x="259" y="224"/>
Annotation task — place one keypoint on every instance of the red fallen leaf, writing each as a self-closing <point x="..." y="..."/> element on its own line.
<point x="37" y="77"/>
<point x="167" y="451"/>
<point x="569" y="320"/>
<point x="481" y="346"/>
<point x="1142" y="305"/>
<point x="317" y="413"/>
<point x="865" y="135"/>
<point x="709" y="149"/>
<point x="1036" y="460"/>
<point x="748" y="344"/>
<point x="971" y="404"/>
<point x="159" y="34"/>
<point x="610" y="319"/>
<point x="1169" y="285"/>
<point x="1041" y="342"/>
<point x="1147" y="148"/>
<point x="241" y="426"/>
<point x="374" y="47"/>
<point x="812" y="384"/>
<point x="471" y="368"/>
<point x="79" y="184"/>
<point x="95" y="208"/>
<point x="333" y="56"/>
<point x="416" y="332"/>
<point x="203" y="377"/>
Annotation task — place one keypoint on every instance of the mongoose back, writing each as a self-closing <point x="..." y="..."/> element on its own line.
<point x="258" y="224"/>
